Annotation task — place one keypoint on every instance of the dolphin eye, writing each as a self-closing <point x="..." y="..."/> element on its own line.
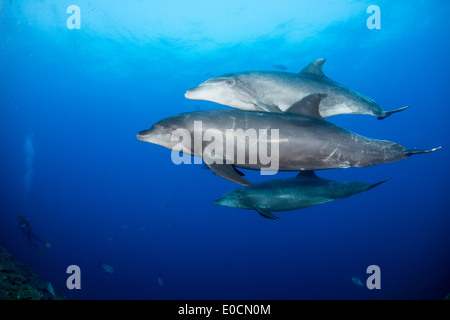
<point x="230" y="82"/>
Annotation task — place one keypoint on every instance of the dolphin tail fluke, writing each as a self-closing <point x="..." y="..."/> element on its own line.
<point x="409" y="153"/>
<point x="376" y="184"/>
<point x="388" y="113"/>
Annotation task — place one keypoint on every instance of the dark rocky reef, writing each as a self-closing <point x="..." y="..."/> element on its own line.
<point x="19" y="282"/>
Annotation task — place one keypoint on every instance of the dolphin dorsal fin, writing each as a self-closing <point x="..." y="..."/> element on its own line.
<point x="308" y="106"/>
<point x="314" y="69"/>
<point x="307" y="174"/>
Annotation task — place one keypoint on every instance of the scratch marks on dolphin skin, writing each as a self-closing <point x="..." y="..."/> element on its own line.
<point x="332" y="153"/>
<point x="325" y="145"/>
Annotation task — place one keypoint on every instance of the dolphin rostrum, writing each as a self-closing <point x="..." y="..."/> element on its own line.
<point x="300" y="139"/>
<point x="276" y="91"/>
<point x="304" y="190"/>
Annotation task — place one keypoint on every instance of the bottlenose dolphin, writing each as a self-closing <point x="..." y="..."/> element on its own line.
<point x="276" y="91"/>
<point x="305" y="190"/>
<point x="305" y="140"/>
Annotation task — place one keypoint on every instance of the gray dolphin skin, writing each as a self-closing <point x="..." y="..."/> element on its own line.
<point x="276" y="91"/>
<point x="305" y="190"/>
<point x="305" y="140"/>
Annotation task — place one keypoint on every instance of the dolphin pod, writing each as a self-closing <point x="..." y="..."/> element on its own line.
<point x="304" y="190"/>
<point x="276" y="91"/>
<point x="284" y="113"/>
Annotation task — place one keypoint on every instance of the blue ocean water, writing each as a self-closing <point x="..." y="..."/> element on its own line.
<point x="73" y="100"/>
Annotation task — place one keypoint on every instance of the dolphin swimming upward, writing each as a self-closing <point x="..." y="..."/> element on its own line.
<point x="304" y="140"/>
<point x="276" y="91"/>
<point x="305" y="190"/>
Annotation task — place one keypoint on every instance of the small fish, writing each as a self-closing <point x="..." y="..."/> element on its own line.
<point x="106" y="267"/>
<point x="160" y="280"/>
<point x="357" y="281"/>
<point x="280" y="66"/>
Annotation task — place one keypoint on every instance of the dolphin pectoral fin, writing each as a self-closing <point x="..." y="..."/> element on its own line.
<point x="308" y="106"/>
<point x="205" y="166"/>
<point x="260" y="106"/>
<point x="388" y="113"/>
<point x="265" y="213"/>
<point x="228" y="172"/>
<point x="239" y="172"/>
